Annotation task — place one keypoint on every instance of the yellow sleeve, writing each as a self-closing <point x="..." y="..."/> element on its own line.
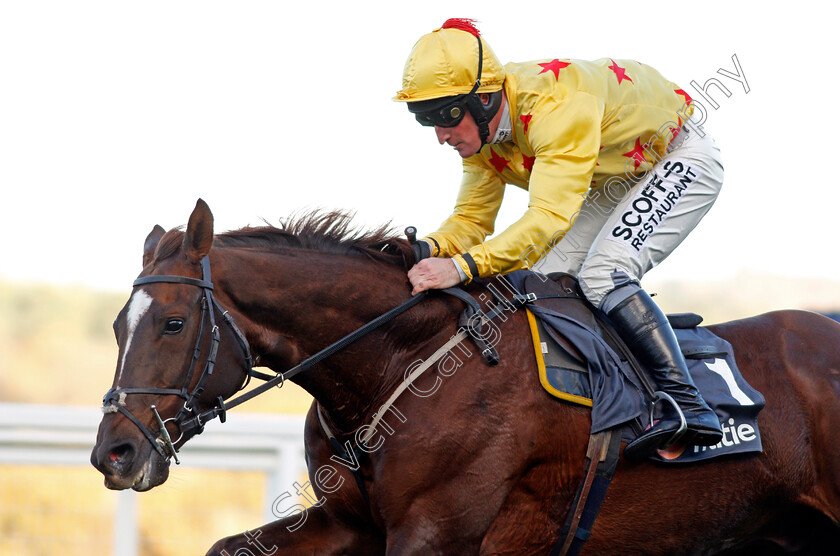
<point x="479" y="199"/>
<point x="565" y="137"/>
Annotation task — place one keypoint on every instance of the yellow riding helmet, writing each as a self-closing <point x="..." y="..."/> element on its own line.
<point x="444" y="63"/>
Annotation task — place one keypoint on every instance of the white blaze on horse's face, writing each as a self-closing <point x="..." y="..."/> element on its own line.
<point x="138" y="306"/>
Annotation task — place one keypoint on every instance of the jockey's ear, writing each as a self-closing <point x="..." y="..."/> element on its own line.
<point x="484" y="98"/>
<point x="151" y="244"/>
<point x="199" y="237"/>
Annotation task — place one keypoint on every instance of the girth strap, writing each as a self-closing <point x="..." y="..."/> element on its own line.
<point x="601" y="462"/>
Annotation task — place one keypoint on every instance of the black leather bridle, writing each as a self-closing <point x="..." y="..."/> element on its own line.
<point x="187" y="419"/>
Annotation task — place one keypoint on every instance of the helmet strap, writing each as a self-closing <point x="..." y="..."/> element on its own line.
<point x="476" y="108"/>
<point x="482" y="114"/>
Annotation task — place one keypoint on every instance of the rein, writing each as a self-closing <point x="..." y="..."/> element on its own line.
<point x="187" y="419"/>
<point x="313" y="360"/>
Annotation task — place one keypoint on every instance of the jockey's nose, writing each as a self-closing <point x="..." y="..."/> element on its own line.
<point x="443" y="134"/>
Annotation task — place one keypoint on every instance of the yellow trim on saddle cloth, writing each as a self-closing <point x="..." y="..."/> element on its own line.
<point x="535" y="336"/>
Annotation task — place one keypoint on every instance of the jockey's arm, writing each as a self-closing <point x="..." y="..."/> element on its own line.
<point x="566" y="143"/>
<point x="479" y="199"/>
<point x="474" y="216"/>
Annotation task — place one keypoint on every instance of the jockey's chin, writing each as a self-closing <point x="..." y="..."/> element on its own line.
<point x="466" y="151"/>
<point x="463" y="137"/>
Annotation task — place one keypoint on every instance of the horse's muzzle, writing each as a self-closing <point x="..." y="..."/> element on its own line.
<point x="131" y="464"/>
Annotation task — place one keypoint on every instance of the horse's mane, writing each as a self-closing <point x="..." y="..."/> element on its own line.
<point x="326" y="232"/>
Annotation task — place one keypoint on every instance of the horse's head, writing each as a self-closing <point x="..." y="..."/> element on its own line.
<point x="171" y="334"/>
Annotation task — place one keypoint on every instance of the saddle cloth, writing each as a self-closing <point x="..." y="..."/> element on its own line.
<point x="582" y="360"/>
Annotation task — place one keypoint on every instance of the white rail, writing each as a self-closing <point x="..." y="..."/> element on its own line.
<point x="56" y="435"/>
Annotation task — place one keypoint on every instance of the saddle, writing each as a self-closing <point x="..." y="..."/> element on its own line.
<point x="562" y="365"/>
<point x="582" y="360"/>
<point x="563" y="371"/>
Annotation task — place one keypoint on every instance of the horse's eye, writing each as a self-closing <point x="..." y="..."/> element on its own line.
<point x="173" y="326"/>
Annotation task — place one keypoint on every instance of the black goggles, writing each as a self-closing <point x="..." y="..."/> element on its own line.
<point x="446" y="112"/>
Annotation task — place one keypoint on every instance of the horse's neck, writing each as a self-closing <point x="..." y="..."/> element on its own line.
<point x="295" y="306"/>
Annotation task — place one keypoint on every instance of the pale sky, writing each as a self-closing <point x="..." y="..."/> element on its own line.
<point x="115" y="116"/>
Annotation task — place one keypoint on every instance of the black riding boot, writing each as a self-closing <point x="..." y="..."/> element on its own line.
<point x="645" y="328"/>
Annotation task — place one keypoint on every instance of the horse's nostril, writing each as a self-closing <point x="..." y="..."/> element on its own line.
<point x="120" y="454"/>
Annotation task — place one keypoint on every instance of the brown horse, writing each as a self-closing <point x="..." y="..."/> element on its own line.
<point x="474" y="459"/>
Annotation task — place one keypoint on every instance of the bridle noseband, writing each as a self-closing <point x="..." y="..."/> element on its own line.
<point x="187" y="419"/>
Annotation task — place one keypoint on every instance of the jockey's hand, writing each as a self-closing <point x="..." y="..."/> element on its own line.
<point x="433" y="274"/>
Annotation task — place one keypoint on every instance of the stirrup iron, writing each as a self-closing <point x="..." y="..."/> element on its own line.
<point x="660" y="396"/>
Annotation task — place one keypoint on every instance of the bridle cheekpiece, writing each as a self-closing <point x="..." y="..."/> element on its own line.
<point x="187" y="419"/>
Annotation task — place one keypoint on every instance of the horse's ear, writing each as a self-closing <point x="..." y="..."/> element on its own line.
<point x="151" y="244"/>
<point x="199" y="237"/>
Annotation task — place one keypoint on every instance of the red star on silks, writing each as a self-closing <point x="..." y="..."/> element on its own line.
<point x="637" y="154"/>
<point x="500" y="163"/>
<point x="526" y="119"/>
<point x="528" y="161"/>
<point x="599" y="152"/>
<point x="555" y="65"/>
<point x="676" y="130"/>
<point x="682" y="93"/>
<point x="619" y="72"/>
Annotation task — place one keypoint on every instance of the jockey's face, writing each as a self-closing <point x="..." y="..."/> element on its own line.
<point x="464" y="137"/>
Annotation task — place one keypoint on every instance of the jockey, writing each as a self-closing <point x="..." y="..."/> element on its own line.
<point x="616" y="178"/>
